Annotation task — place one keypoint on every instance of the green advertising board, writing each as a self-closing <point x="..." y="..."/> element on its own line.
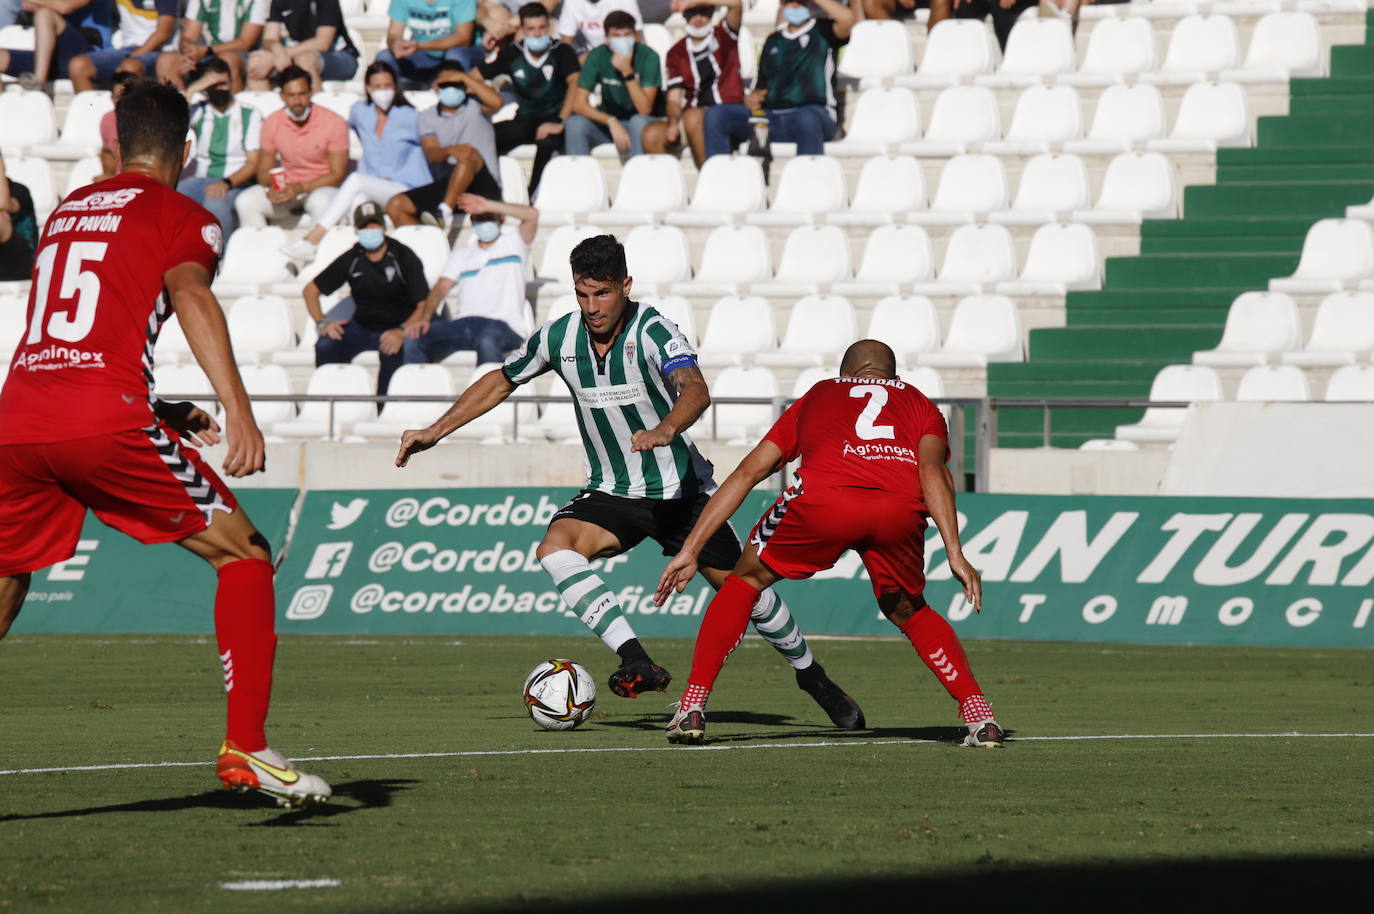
<point x="1161" y="570"/>
<point x="115" y="584"/>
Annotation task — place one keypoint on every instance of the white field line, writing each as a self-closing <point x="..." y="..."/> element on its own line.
<point x="272" y="885"/>
<point x="824" y="744"/>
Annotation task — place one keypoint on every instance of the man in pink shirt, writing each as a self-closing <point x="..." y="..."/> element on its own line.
<point x="312" y="143"/>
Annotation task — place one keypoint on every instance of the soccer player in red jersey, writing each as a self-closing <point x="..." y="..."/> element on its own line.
<point x="80" y="427"/>
<point x="873" y="452"/>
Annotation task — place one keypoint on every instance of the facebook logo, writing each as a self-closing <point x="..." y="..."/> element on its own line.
<point x="328" y="561"/>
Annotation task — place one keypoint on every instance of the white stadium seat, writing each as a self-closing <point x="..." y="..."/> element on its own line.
<point x="35" y="174"/>
<point x="970" y="187"/>
<point x="812" y="256"/>
<point x="810" y="377"/>
<point x="907" y="323"/>
<point x="84" y="171"/>
<point x="963" y="117"/>
<point x="1161" y="424"/>
<point x="650" y="186"/>
<point x="976" y="258"/>
<point x="678" y="310"/>
<point x="810" y="187"/>
<point x="558" y="421"/>
<point x="172" y="346"/>
<point x="1351" y="382"/>
<point x="429" y="243"/>
<point x="571" y="188"/>
<point x="313" y="421"/>
<point x="185" y="382"/>
<point x="657" y="256"/>
<point x="1062" y="258"/>
<point x="1260" y="326"/>
<point x="742" y="422"/>
<point x="1137" y="186"/>
<point x="273" y="380"/>
<point x="80" y="131"/>
<point x="1210" y="115"/>
<point x="1282" y="45"/>
<point x="956" y="51"/>
<point x="29" y="120"/>
<point x="410" y="380"/>
<point x="260" y="325"/>
<point x="882" y="119"/>
<point x="332" y="246"/>
<point x="894" y="256"/>
<point x="928" y="381"/>
<point x="983" y="329"/>
<point x="304" y="354"/>
<point x="887" y="187"/>
<point x="733" y="257"/>
<point x="737" y="330"/>
<point x="563" y="304"/>
<point x="499" y="425"/>
<point x="1038" y="47"/>
<point x="1342" y="333"/>
<point x="1052" y="186"/>
<point x="553" y="265"/>
<point x="253" y="261"/>
<point x="1199" y="47"/>
<point x="1126" y="117"/>
<point x="1045" y="117"/>
<point x="727" y="186"/>
<point x="515" y="185"/>
<point x="263" y="102"/>
<point x="819" y="328"/>
<point x="1108" y="444"/>
<point x="1336" y="253"/>
<point x="877" y="49"/>
<point x="1119" y="48"/>
<point x="1273" y="383"/>
<point x="13" y="323"/>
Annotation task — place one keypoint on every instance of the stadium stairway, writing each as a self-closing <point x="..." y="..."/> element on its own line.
<point x="1157" y="308"/>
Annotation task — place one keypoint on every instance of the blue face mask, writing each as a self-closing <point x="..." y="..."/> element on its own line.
<point x="371" y="238"/>
<point x="796" y="15"/>
<point x="621" y="44"/>
<point x="452" y="97"/>
<point x="487" y="230"/>
<point x="537" y="44"/>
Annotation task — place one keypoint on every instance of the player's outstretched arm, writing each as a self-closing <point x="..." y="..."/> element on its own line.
<point x="489" y="391"/>
<point x="760" y="463"/>
<point x="937" y="485"/>
<point x="202" y="320"/>
<point x="692" y="399"/>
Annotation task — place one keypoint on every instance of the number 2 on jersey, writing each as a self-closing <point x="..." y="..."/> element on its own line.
<point x="864" y="425"/>
<point x="70" y="325"/>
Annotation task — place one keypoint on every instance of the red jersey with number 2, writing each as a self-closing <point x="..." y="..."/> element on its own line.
<point x="859" y="432"/>
<point x="84" y="365"/>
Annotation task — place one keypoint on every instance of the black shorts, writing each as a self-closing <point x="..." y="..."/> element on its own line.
<point x="427" y="197"/>
<point x="665" y="521"/>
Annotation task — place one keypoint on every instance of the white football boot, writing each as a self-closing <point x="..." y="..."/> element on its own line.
<point x="985" y="735"/>
<point x="268" y="771"/>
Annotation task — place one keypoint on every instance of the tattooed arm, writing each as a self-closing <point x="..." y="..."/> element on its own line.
<point x="689" y="387"/>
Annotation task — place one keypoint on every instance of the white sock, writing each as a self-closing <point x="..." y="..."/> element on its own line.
<point x="773" y="621"/>
<point x="587" y="595"/>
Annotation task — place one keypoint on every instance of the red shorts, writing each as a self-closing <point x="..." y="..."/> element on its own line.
<point x="807" y="532"/>
<point x="144" y="483"/>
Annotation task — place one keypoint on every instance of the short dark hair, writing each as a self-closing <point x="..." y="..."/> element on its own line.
<point x="151" y="119"/>
<point x="448" y="66"/>
<point x="618" y="19"/>
<point x="533" y="11"/>
<point x="381" y="66"/>
<point x="211" y="64"/>
<point x="599" y="257"/>
<point x="123" y="78"/>
<point x="290" y="75"/>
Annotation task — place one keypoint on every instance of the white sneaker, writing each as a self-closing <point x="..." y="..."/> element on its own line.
<point x="268" y="771"/>
<point x="688" y="727"/>
<point x="301" y="251"/>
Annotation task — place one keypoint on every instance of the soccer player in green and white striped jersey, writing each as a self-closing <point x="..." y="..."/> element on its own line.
<point x="637" y="388"/>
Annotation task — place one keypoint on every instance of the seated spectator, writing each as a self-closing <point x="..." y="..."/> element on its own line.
<point x="145" y="28"/>
<point x="1004" y="13"/>
<point x="62" y="30"/>
<point x="388" y="127"/>
<point x="543" y="76"/>
<point x="703" y="76"/>
<point x="796" y="82"/>
<point x="904" y="9"/>
<point x="439" y="30"/>
<point x="493" y="316"/>
<point x="628" y="75"/>
<point x="387" y="287"/>
<point x="312" y="142"/>
<point x="582" y="23"/>
<point x="18" y="230"/>
<point x="119" y="83"/>
<point x="309" y="34"/>
<point x="460" y="146"/>
<point x="228" y="145"/>
<point x="228" y="29"/>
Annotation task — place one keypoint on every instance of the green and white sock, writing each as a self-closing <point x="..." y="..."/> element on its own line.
<point x="773" y="621"/>
<point x="587" y="595"/>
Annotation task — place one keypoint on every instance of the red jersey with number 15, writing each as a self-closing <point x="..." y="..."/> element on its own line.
<point x="84" y="365"/>
<point x="860" y="432"/>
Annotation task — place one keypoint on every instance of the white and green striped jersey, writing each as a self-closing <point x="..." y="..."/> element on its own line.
<point x="618" y="395"/>
<point x="224" y="139"/>
<point x="223" y="20"/>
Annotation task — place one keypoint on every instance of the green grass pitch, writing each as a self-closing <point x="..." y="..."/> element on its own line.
<point x="886" y="817"/>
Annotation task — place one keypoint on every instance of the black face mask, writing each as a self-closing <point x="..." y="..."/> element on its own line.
<point x="219" y="96"/>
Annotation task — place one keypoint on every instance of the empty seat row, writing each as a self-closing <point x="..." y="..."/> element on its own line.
<point x="1263" y="327"/>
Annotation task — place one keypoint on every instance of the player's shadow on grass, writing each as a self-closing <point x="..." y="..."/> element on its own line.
<point x="658" y="721"/>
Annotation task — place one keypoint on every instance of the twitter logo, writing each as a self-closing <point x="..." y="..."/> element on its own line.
<point x="341" y="516"/>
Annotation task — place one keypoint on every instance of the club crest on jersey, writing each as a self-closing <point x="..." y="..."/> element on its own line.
<point x="213" y="236"/>
<point x="630" y="350"/>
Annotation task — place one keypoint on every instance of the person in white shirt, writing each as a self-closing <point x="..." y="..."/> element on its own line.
<point x="579" y="23"/>
<point x="493" y="315"/>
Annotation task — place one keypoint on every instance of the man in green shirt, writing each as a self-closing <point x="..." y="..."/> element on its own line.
<point x="629" y="76"/>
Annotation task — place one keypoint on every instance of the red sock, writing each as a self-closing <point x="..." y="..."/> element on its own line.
<point x="245" y="619"/>
<point x="939" y="647"/>
<point x="722" y="627"/>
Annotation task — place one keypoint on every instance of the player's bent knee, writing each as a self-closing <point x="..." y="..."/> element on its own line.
<point x="899" y="606"/>
<point x="13" y="589"/>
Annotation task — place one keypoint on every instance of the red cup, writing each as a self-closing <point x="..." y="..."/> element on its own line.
<point x="278" y="178"/>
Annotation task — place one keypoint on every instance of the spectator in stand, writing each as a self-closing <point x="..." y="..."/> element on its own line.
<point x="145" y="28"/>
<point x="388" y="127"/>
<point x="628" y="75"/>
<point x="493" y="316"/>
<point x="796" y="83"/>
<point x="107" y="126"/>
<point x="228" y="29"/>
<point x="62" y="30"/>
<point x="703" y="78"/>
<point x="460" y="146"/>
<point x="440" y="30"/>
<point x="582" y="23"/>
<point x="543" y="78"/>
<point x="18" y="230"/>
<point x="312" y="142"/>
<point x="309" y="34"/>
<point x="387" y="287"/>
<point x="1004" y="13"/>
<point x="228" y="145"/>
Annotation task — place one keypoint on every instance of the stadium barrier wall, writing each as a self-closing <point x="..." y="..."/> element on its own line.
<point x="1280" y="572"/>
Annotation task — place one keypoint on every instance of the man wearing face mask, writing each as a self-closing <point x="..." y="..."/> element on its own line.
<point x="312" y="142"/>
<point x="702" y="77"/>
<point x="388" y="290"/>
<point x="228" y="141"/>
<point x="796" y="82"/>
<point x="493" y="316"/>
<point x="628" y="75"/>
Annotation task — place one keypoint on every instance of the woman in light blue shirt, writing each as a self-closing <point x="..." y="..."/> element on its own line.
<point x="388" y="127"/>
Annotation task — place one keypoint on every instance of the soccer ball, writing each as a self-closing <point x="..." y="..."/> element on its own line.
<point x="559" y="694"/>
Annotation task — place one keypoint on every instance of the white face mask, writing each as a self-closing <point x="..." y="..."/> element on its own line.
<point x="383" y="98"/>
<point x="699" y="31"/>
<point x="302" y="116"/>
